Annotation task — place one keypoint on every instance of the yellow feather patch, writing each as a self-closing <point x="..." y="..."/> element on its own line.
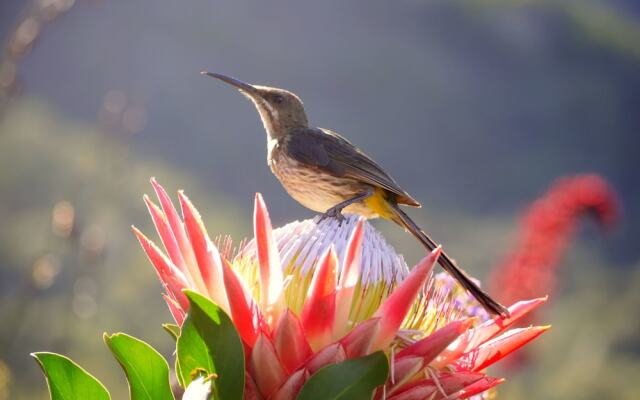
<point x="378" y="203"/>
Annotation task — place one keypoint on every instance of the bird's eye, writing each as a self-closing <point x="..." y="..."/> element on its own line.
<point x="278" y="99"/>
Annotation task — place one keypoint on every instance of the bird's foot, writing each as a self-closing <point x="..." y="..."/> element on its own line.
<point x="333" y="212"/>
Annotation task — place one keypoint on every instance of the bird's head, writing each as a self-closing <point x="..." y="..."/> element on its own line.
<point x="281" y="111"/>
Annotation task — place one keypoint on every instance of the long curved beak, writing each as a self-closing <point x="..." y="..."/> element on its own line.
<point x="243" y="86"/>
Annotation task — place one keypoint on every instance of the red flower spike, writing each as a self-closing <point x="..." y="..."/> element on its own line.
<point x="289" y="341"/>
<point x="478" y="387"/>
<point x="319" y="309"/>
<point x="432" y="345"/>
<point x="172" y="278"/>
<point x="244" y="313"/>
<point x="349" y="277"/>
<point x="359" y="341"/>
<point x="545" y="232"/>
<point x="265" y="367"/>
<point x="292" y="386"/>
<point x="178" y="230"/>
<point x="396" y="306"/>
<point x="268" y="260"/>
<point x="500" y="347"/>
<point x="206" y="254"/>
<point x="332" y="354"/>
<point x="177" y="312"/>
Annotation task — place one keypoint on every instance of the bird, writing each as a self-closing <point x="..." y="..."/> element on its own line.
<point x="326" y="173"/>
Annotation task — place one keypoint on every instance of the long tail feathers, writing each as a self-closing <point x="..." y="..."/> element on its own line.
<point x="458" y="274"/>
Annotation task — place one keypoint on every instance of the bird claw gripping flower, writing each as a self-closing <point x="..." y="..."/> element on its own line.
<point x="316" y="293"/>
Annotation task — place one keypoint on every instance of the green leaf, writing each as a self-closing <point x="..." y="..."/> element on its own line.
<point x="181" y="381"/>
<point x="67" y="380"/>
<point x="146" y="370"/>
<point x="192" y="354"/>
<point x="209" y="341"/>
<point x="352" y="380"/>
<point x="172" y="329"/>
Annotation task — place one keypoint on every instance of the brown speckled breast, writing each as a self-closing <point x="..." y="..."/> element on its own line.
<point x="314" y="188"/>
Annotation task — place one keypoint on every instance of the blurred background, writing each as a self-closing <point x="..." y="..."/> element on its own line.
<point x="475" y="107"/>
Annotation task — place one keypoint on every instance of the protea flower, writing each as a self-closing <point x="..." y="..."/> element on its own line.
<point x="310" y="294"/>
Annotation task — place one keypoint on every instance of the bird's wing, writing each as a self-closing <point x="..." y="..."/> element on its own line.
<point x="330" y="152"/>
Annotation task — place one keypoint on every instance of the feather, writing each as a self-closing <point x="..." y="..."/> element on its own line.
<point x="326" y="150"/>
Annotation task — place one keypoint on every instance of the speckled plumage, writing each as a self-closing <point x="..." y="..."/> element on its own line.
<point x="313" y="187"/>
